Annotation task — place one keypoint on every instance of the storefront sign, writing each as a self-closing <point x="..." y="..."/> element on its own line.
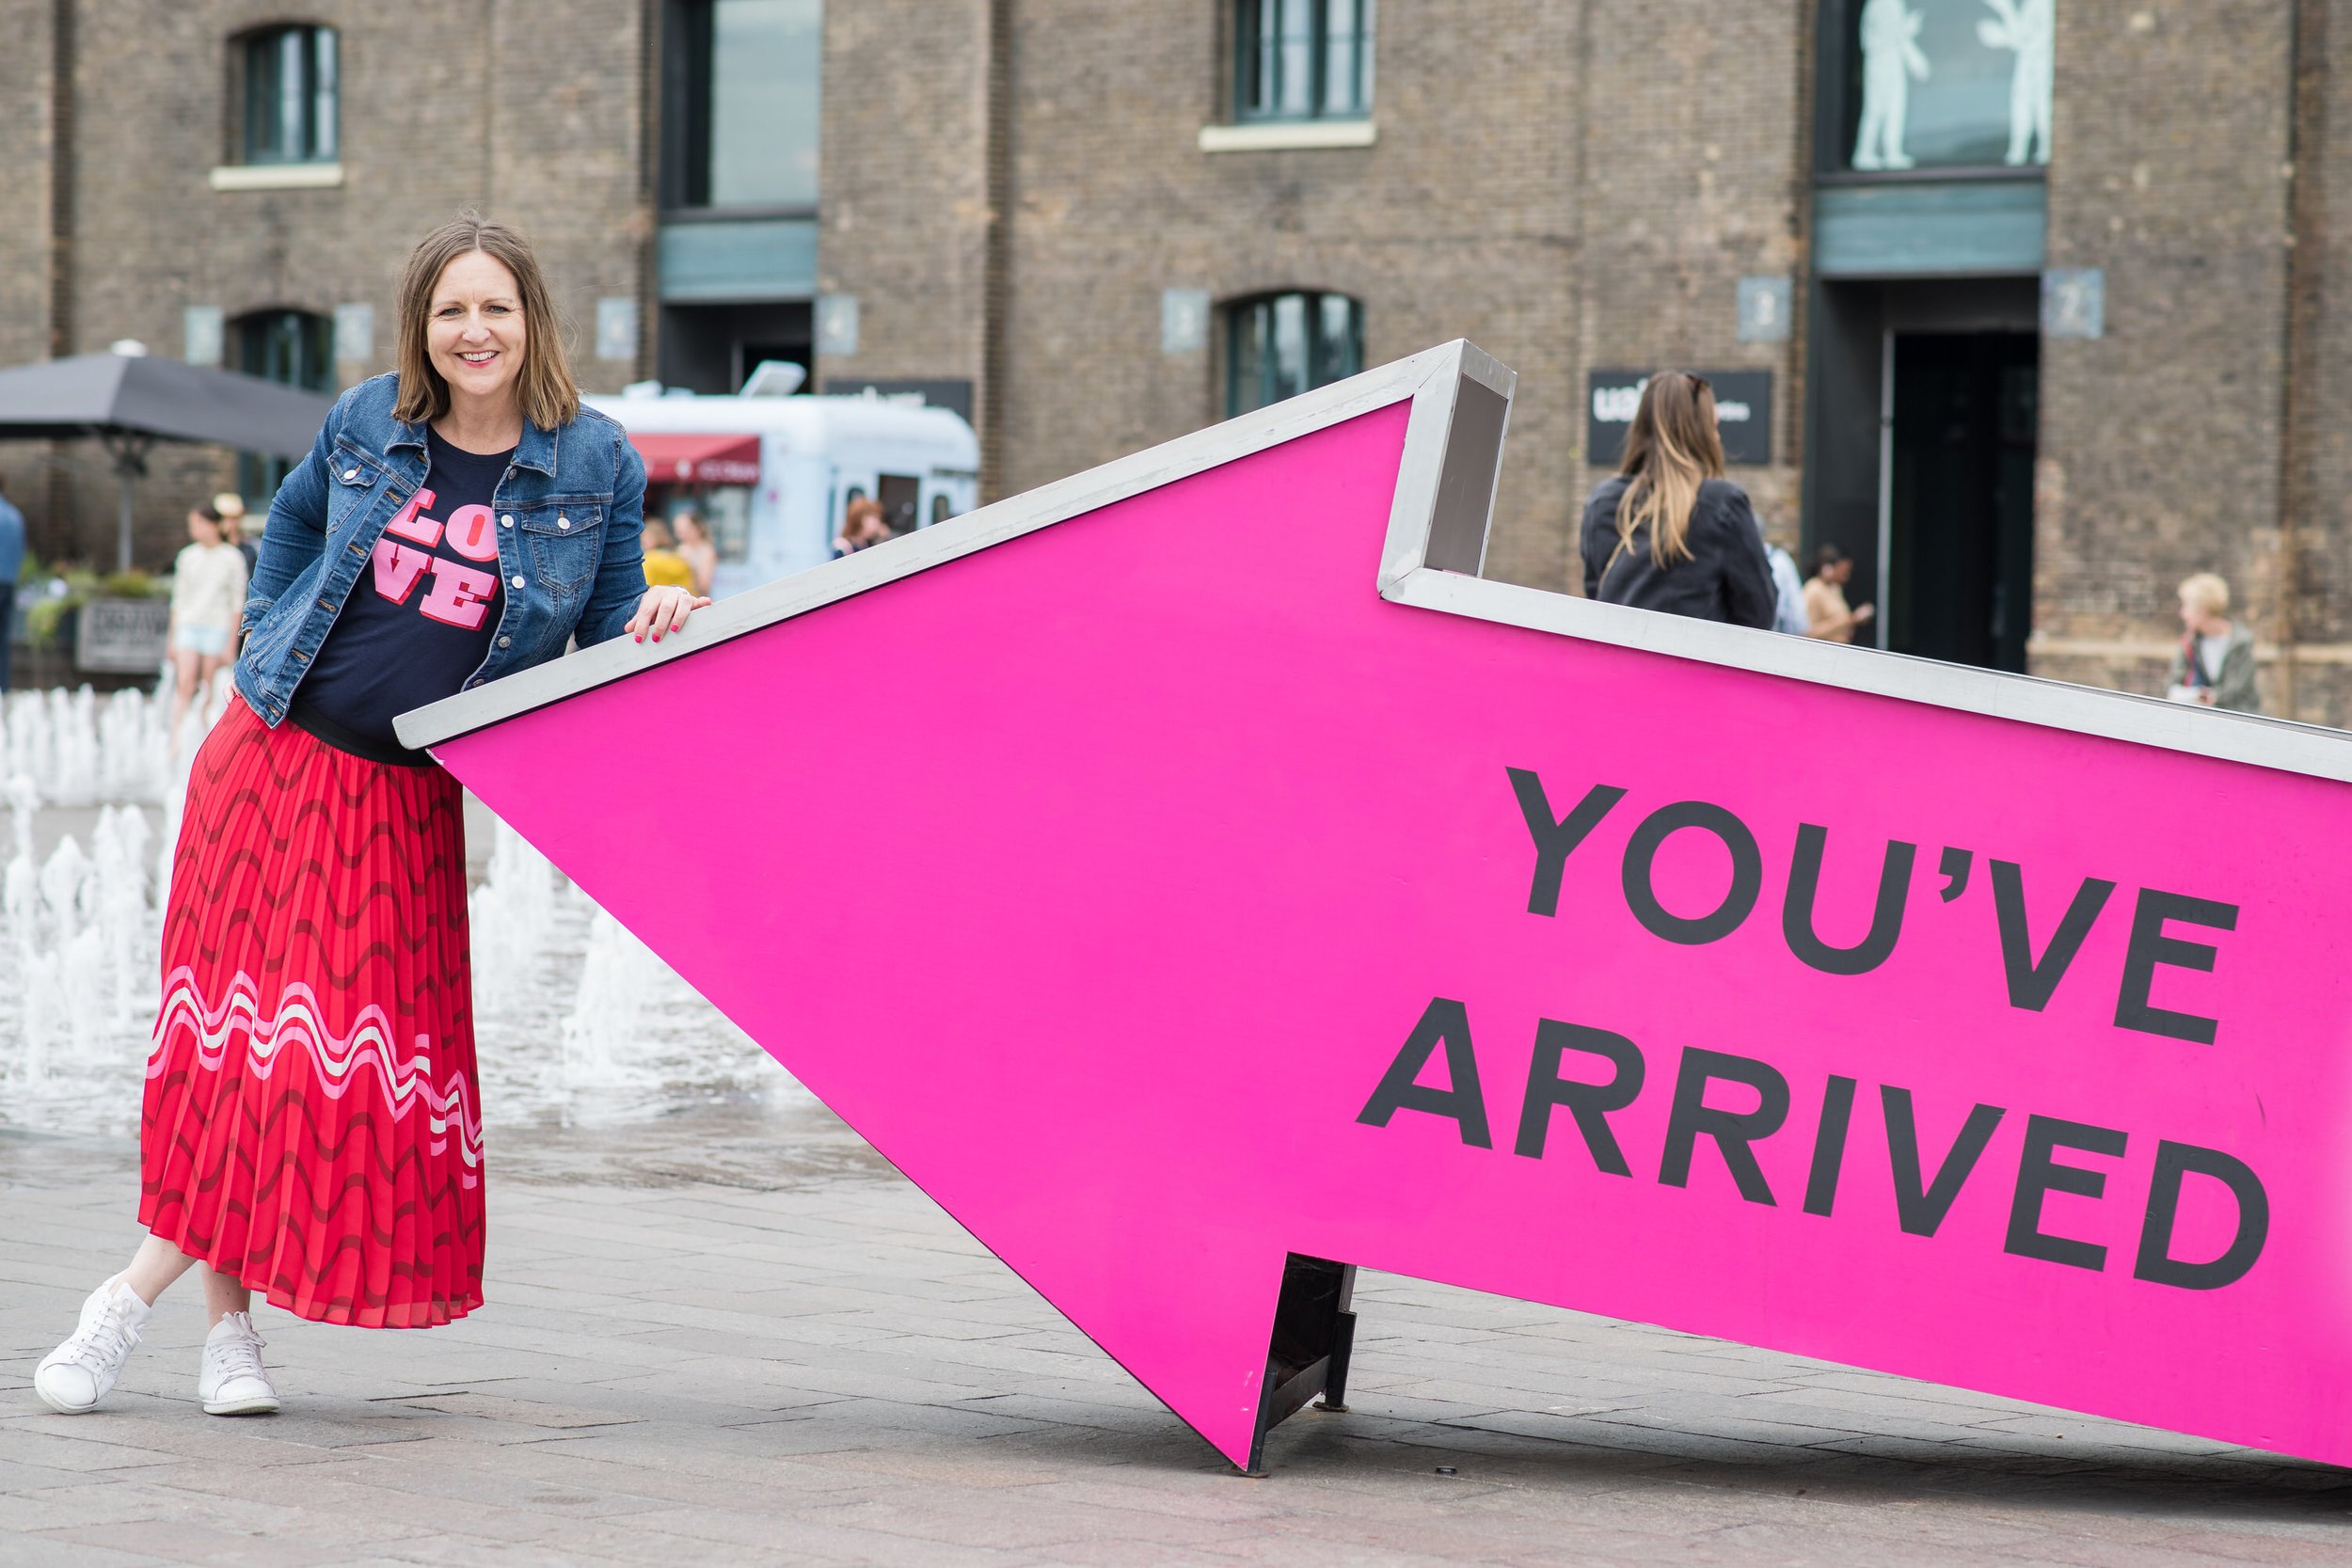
<point x="122" y="637"/>
<point x="1232" y="873"/>
<point x="949" y="392"/>
<point x="1743" y="413"/>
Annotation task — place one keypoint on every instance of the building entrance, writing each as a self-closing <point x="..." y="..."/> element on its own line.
<point x="1919" y="458"/>
<point x="1959" y="523"/>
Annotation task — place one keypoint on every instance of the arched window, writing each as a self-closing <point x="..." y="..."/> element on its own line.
<point x="292" y="96"/>
<point x="1302" y="60"/>
<point x="293" y="347"/>
<point x="1280" y="345"/>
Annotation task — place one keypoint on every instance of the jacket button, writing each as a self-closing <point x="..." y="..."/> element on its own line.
<point x="516" y="581"/>
<point x="506" y="642"/>
<point x="350" y="474"/>
<point x="507" y="521"/>
<point x="562" y="522"/>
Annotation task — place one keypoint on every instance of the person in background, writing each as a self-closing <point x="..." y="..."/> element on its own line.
<point x="1825" y="612"/>
<point x="208" y="583"/>
<point x="664" y="567"/>
<point x="2214" y="665"/>
<point x="12" y="566"/>
<point x="862" y="526"/>
<point x="694" y="547"/>
<point x="1667" y="532"/>
<point x="1788" y="590"/>
<point x="231" y="509"/>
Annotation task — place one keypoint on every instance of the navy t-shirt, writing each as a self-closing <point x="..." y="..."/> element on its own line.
<point x="420" y="619"/>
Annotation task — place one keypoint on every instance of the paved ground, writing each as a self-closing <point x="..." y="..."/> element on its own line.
<point x="738" y="1338"/>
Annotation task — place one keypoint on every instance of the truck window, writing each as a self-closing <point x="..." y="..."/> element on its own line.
<point x="900" y="496"/>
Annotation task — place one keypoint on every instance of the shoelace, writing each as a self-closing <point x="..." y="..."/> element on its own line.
<point x="239" y="1355"/>
<point x="107" y="1341"/>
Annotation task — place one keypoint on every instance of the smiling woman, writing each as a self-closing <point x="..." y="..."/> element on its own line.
<point x="311" y="1125"/>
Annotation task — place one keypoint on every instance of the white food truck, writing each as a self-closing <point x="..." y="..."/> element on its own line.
<point x="772" y="473"/>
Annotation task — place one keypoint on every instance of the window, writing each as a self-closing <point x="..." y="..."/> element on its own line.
<point x="1928" y="83"/>
<point x="1282" y="345"/>
<point x="293" y="347"/>
<point x="739" y="104"/>
<point x="290" y="96"/>
<point x="1302" y="60"/>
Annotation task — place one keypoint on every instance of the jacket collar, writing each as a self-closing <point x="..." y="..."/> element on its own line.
<point x="535" y="450"/>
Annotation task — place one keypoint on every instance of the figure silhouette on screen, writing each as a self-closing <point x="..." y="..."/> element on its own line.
<point x="1891" y="61"/>
<point x="2029" y="28"/>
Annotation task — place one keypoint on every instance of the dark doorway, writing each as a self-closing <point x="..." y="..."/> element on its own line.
<point x="1960" y="501"/>
<point x="1919" y="454"/>
<point x="711" y="348"/>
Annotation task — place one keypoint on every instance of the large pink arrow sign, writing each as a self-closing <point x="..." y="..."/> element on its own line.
<point x="1195" y="871"/>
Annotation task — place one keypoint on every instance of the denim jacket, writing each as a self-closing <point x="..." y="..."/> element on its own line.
<point x="570" y="509"/>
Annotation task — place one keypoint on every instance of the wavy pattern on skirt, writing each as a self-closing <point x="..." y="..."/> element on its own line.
<point x="311" y="1122"/>
<point x="368" y="1050"/>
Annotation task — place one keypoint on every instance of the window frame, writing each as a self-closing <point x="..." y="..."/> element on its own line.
<point x="1314" y="303"/>
<point x="260" y="133"/>
<point x="258" y="475"/>
<point x="1251" y="50"/>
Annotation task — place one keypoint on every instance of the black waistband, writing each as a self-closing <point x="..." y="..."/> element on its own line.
<point x="313" y="722"/>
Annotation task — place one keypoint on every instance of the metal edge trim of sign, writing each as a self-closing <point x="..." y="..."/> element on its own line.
<point x="1429" y="378"/>
<point x="2275" y="743"/>
<point x="1432" y="380"/>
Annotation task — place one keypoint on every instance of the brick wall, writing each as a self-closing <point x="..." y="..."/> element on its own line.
<point x="903" y="222"/>
<point x="2160" y="442"/>
<point x="550" y="142"/>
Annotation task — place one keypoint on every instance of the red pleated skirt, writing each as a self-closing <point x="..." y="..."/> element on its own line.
<point x="312" y="1120"/>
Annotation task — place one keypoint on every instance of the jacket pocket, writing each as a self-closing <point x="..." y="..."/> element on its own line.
<point x="562" y="542"/>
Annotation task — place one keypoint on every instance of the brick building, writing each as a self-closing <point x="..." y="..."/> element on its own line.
<point x="2034" y="306"/>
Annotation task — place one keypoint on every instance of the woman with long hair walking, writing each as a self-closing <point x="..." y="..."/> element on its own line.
<point x="1666" y="531"/>
<point x="312" y="1124"/>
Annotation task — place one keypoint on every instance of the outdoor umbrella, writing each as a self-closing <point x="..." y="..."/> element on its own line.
<point x="130" y="402"/>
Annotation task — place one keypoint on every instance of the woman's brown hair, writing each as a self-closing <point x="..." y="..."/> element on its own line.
<point x="544" y="387"/>
<point x="1671" y="450"/>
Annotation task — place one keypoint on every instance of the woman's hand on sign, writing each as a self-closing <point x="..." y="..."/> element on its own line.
<point x="662" y="609"/>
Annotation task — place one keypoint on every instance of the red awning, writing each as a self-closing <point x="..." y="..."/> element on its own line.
<point x="698" y="459"/>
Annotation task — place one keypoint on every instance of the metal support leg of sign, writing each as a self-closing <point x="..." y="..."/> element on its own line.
<point x="1314" y="1333"/>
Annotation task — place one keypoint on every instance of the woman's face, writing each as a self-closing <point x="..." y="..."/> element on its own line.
<point x="202" y="529"/>
<point x="689" y="529"/>
<point x="473" y="332"/>
<point x="2192" y="613"/>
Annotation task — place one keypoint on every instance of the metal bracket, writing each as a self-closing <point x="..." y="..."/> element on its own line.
<point x="1314" y="1336"/>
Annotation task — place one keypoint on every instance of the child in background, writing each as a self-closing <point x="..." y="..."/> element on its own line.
<point x="664" y="567"/>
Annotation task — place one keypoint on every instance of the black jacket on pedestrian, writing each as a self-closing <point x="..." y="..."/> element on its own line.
<point x="1726" y="578"/>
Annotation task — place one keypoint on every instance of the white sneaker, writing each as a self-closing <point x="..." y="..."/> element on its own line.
<point x="75" y="1376"/>
<point x="231" y="1380"/>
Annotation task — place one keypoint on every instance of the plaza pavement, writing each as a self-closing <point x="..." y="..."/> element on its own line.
<point x="738" y="1337"/>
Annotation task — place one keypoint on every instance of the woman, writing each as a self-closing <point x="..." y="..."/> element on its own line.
<point x="696" y="548"/>
<point x="231" y="509"/>
<point x="208" y="583"/>
<point x="2215" y="664"/>
<point x="1826" y="616"/>
<point x="863" y="527"/>
<point x="1668" y="531"/>
<point x="312" y="1126"/>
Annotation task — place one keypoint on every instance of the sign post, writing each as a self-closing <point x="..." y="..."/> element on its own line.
<point x="1244" y="891"/>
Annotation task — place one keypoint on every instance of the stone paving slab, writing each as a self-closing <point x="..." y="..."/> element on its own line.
<point x="696" y="1354"/>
